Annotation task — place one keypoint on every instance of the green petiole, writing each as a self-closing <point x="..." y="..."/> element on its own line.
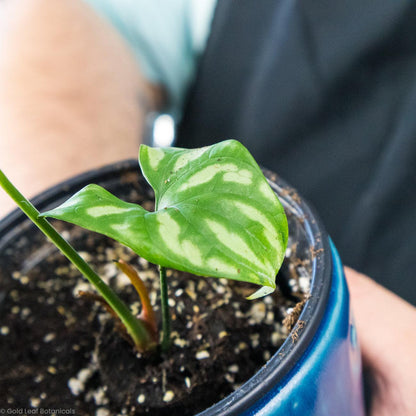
<point x="135" y="328"/>
<point x="165" y="343"/>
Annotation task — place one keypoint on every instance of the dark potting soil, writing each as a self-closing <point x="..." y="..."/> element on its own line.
<point x="60" y="351"/>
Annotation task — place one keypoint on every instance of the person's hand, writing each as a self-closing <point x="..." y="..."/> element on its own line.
<point x="386" y="327"/>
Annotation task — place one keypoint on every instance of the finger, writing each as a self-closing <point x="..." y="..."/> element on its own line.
<point x="386" y="327"/>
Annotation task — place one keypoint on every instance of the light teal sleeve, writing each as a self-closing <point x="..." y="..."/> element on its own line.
<point x="166" y="36"/>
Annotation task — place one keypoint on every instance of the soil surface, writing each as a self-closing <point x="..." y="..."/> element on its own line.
<point x="60" y="352"/>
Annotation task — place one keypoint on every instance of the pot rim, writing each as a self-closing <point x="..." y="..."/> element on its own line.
<point x="285" y="359"/>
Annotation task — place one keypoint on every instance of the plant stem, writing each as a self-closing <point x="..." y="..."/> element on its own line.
<point x="135" y="328"/>
<point x="147" y="314"/>
<point x="165" y="343"/>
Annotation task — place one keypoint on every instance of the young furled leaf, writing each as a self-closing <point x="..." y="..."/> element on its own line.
<point x="215" y="214"/>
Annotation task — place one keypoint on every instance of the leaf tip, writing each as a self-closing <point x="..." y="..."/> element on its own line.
<point x="263" y="291"/>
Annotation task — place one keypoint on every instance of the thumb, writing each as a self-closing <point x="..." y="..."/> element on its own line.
<point x="386" y="328"/>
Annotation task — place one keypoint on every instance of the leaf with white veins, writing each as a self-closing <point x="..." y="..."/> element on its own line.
<point x="215" y="214"/>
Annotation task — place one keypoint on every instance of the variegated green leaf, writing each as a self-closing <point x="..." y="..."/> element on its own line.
<point x="215" y="214"/>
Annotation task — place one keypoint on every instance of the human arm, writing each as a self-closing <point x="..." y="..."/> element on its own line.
<point x="386" y="327"/>
<point x="72" y="96"/>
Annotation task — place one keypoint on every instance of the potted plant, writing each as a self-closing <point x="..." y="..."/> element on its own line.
<point x="101" y="372"/>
